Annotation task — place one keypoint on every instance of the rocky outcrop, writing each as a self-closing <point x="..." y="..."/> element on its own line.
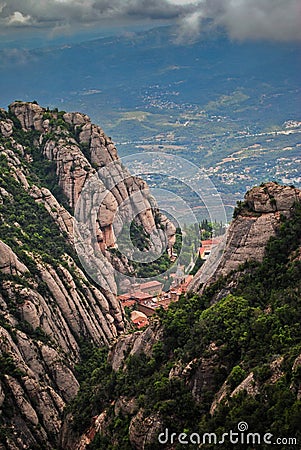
<point x="199" y="373"/>
<point x="295" y="386"/>
<point x="74" y="169"/>
<point x="135" y="344"/>
<point x="78" y="148"/>
<point x="258" y="220"/>
<point x="47" y="307"/>
<point x="85" y="309"/>
<point x="72" y="305"/>
<point x="38" y="377"/>
<point x="59" y="214"/>
<point x="37" y="389"/>
<point x="143" y="431"/>
<point x="104" y="200"/>
<point x="6" y="127"/>
<point x="248" y="385"/>
<point x="71" y="166"/>
<point x="30" y="115"/>
<point x="272" y="197"/>
<point x="9" y="263"/>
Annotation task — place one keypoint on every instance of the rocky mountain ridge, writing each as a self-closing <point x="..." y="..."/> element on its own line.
<point x="190" y="358"/>
<point x="49" y="306"/>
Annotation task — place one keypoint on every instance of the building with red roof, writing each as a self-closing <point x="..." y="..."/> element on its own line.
<point x="139" y="319"/>
<point x="206" y="247"/>
<point x="151" y="287"/>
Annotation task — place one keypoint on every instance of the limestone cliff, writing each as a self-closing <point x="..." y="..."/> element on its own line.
<point x="48" y="305"/>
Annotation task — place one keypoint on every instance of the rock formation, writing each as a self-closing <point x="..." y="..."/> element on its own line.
<point x="49" y="306"/>
<point x="258" y="218"/>
<point x="74" y="168"/>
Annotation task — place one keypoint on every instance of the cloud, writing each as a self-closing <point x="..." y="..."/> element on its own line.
<point x="53" y="12"/>
<point x="242" y="19"/>
<point x="14" y="56"/>
<point x="190" y="27"/>
<point x="275" y="20"/>
<point x="262" y="19"/>
<point x="18" y="19"/>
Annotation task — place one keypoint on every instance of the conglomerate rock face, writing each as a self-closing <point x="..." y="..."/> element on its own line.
<point x="272" y="197"/>
<point x="247" y="236"/>
<point x="74" y="168"/>
<point x="48" y="308"/>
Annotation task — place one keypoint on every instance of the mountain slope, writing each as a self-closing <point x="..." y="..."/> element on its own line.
<point x="49" y="307"/>
<point x="229" y="356"/>
<point x="210" y="361"/>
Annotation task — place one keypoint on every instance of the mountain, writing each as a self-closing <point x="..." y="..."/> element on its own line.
<point x="74" y="374"/>
<point x="222" y="367"/>
<point x="51" y="307"/>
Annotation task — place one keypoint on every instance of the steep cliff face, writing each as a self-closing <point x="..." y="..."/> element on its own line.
<point x="48" y="305"/>
<point x="257" y="220"/>
<point x="63" y="138"/>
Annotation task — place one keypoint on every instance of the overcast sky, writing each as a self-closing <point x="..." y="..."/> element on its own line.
<point x="278" y="20"/>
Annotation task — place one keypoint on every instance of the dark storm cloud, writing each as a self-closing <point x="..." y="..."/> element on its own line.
<point x="158" y="9"/>
<point x="243" y="19"/>
<point x="55" y="12"/>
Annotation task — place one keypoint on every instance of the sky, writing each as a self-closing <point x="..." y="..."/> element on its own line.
<point x="270" y="20"/>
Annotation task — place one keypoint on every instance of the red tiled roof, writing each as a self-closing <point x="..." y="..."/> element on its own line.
<point x="203" y="250"/>
<point x="164" y="303"/>
<point x="209" y="242"/>
<point x="129" y="303"/>
<point x="188" y="279"/>
<point x="124" y="297"/>
<point x="140" y="323"/>
<point x="141" y="295"/>
<point x="150" y="284"/>
<point x="139" y="319"/>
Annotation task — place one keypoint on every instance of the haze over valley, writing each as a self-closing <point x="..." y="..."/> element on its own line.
<point x="230" y="107"/>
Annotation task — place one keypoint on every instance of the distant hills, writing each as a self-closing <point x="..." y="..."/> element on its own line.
<point x="203" y="100"/>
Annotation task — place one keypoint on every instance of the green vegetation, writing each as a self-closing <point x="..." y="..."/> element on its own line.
<point x="41" y="172"/>
<point x="34" y="237"/>
<point x="254" y="329"/>
<point x="22" y="219"/>
<point x="8" y="366"/>
<point x="184" y="250"/>
<point x="135" y="235"/>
